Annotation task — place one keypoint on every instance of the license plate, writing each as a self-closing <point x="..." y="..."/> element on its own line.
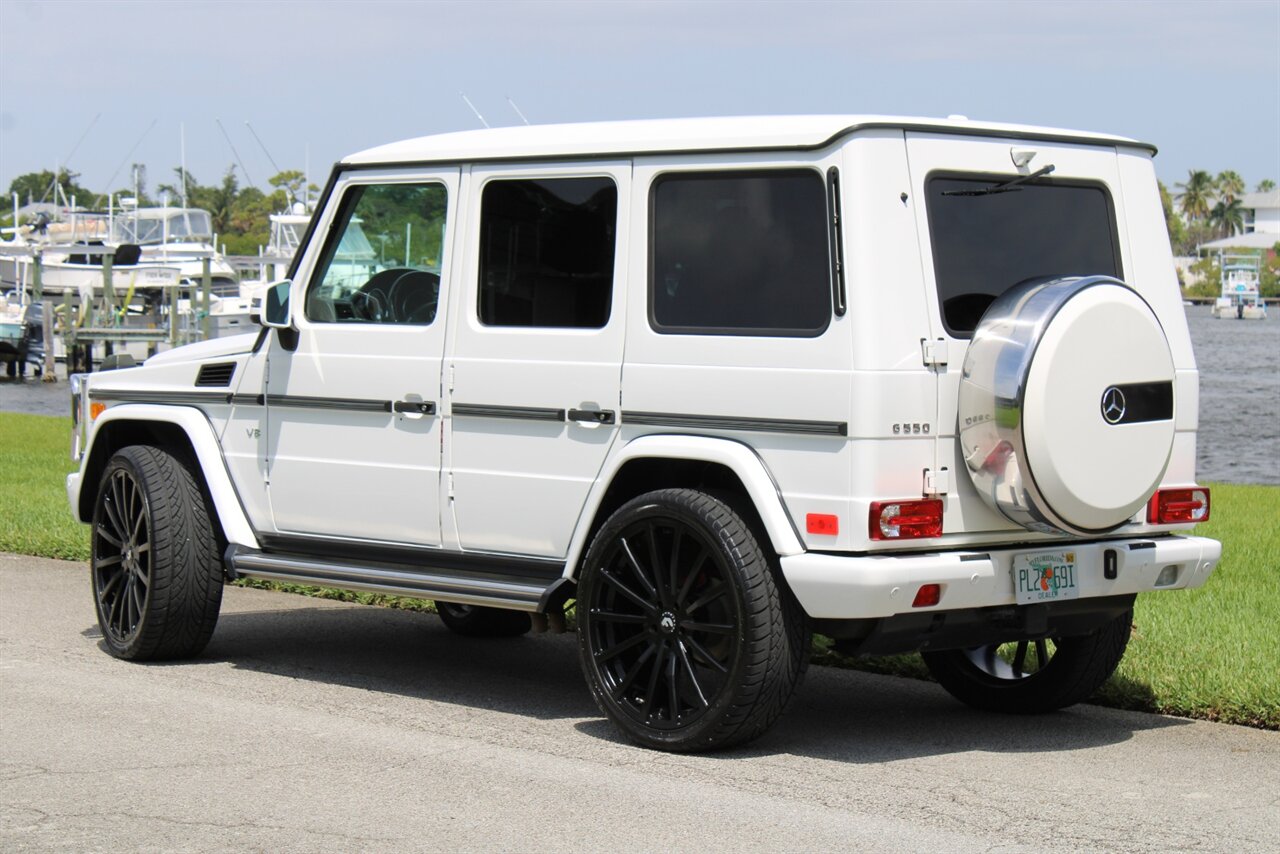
<point x="1044" y="577"/>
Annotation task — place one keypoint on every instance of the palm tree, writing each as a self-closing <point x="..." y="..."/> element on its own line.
<point x="1196" y="193"/>
<point x="1230" y="185"/>
<point x="1266" y="185"/>
<point x="1227" y="216"/>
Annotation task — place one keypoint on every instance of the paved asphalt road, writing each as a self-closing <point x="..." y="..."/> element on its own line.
<point x="317" y="726"/>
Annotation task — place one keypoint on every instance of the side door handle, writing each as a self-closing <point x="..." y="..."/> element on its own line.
<point x="592" y="416"/>
<point x="415" y="407"/>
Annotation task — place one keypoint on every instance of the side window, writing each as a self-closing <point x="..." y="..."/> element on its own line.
<point x="382" y="261"/>
<point x="740" y="253"/>
<point x="546" y="252"/>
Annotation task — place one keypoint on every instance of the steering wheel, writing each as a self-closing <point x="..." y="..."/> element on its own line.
<point x="413" y="297"/>
<point x="372" y="303"/>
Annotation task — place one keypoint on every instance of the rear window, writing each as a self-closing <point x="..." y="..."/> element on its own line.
<point x="985" y="244"/>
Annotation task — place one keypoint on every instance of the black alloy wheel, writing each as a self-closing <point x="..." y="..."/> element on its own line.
<point x="155" y="563"/>
<point x="1033" y="675"/>
<point x="687" y="641"/>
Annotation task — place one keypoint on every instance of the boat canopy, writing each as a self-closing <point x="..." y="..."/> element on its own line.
<point x="160" y="225"/>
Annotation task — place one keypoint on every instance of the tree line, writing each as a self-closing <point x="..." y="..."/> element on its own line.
<point x="1205" y="208"/>
<point x="239" y="213"/>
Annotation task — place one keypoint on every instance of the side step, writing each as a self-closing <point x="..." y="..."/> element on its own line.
<point x="489" y="588"/>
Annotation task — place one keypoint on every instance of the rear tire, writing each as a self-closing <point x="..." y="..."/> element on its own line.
<point x="155" y="568"/>
<point x="1032" y="676"/>
<point x="688" y="639"/>
<point x="478" y="622"/>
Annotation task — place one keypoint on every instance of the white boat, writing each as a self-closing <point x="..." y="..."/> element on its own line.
<point x="1240" y="298"/>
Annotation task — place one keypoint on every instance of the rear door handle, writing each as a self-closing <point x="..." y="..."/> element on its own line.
<point x="592" y="416"/>
<point x="415" y="407"/>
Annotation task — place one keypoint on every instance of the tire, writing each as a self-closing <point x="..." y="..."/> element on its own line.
<point x="155" y="567"/>
<point x="688" y="640"/>
<point x="477" y="622"/>
<point x="1052" y="674"/>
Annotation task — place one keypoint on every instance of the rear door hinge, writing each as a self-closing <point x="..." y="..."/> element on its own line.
<point x="934" y="352"/>
<point x="937" y="482"/>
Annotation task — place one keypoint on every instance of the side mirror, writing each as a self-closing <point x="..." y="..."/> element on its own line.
<point x="270" y="306"/>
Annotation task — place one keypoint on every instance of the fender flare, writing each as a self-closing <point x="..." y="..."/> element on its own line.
<point x="737" y="457"/>
<point x="204" y="441"/>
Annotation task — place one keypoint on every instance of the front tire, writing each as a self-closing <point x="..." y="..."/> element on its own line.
<point x="156" y="573"/>
<point x="1032" y="676"/>
<point x="688" y="640"/>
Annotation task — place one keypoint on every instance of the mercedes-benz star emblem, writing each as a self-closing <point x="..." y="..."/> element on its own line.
<point x="1113" y="405"/>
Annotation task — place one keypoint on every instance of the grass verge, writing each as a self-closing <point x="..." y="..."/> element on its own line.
<point x="1210" y="653"/>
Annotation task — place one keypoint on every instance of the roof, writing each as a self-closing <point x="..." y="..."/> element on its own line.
<point x="1270" y="199"/>
<point x="742" y="133"/>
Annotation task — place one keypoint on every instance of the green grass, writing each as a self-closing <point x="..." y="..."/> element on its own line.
<point x="1212" y="653"/>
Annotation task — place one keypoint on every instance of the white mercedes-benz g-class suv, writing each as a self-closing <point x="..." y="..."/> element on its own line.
<point x="914" y="384"/>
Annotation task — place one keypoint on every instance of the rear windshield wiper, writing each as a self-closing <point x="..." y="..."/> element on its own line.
<point x="1006" y="187"/>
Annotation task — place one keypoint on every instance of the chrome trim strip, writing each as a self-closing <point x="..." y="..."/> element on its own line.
<point x="145" y="396"/>
<point x="526" y="413"/>
<point x="341" y="403"/>
<point x="726" y="422"/>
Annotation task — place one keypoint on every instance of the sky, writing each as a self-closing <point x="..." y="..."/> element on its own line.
<point x="96" y="86"/>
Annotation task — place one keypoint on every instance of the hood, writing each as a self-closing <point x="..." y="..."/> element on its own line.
<point x="212" y="349"/>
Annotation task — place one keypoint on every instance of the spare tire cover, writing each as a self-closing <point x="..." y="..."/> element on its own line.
<point x="1066" y="404"/>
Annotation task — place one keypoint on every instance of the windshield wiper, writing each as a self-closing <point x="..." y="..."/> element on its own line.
<point x="1006" y="187"/>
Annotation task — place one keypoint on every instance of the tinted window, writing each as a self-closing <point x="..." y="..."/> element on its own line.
<point x="985" y="244"/>
<point x="740" y="253"/>
<point x="546" y="252"/>
<point x="382" y="262"/>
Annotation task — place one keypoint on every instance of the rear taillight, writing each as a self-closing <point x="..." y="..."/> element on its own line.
<point x="906" y="520"/>
<point x="1178" y="506"/>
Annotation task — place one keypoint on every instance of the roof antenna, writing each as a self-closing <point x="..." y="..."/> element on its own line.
<point x="517" y="109"/>
<point x="232" y="146"/>
<point x="473" y="109"/>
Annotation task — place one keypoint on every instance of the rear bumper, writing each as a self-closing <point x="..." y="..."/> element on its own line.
<point x="844" y="587"/>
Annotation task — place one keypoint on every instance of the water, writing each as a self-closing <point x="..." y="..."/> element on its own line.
<point x="1239" y="440"/>
<point x="1239" y="360"/>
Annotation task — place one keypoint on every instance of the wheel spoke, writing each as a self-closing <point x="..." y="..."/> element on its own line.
<point x="712" y="628"/>
<point x="664" y="594"/>
<point x="627" y="591"/>
<point x="693" y="574"/>
<point x="1042" y="654"/>
<point x="615" y="617"/>
<point x="652" y="690"/>
<point x="717" y="590"/>
<point x="106" y="535"/>
<point x="673" y="690"/>
<point x="701" y="652"/>
<point x="110" y="586"/>
<point x="113" y="517"/>
<point x="636" y="569"/>
<point x="693" y="677"/>
<point x="138" y="594"/>
<point x="118" y="607"/>
<point x="110" y="560"/>
<point x="1020" y="657"/>
<point x="621" y="647"/>
<point x="676" y="536"/>
<point x="635" y="671"/>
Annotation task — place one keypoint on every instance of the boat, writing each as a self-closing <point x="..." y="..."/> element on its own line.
<point x="1240" y="297"/>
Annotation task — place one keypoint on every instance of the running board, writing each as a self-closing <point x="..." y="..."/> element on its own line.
<point x="492" y="589"/>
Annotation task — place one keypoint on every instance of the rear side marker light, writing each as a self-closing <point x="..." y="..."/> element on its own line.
<point x="927" y="596"/>
<point x="822" y="523"/>
<point x="1178" y="506"/>
<point x="906" y="520"/>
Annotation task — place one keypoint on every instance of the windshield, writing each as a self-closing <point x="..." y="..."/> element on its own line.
<point x="985" y="243"/>
<point x="156" y="226"/>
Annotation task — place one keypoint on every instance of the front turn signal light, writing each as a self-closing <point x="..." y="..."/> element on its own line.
<point x="1178" y="506"/>
<point x="96" y="409"/>
<point x="906" y="520"/>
